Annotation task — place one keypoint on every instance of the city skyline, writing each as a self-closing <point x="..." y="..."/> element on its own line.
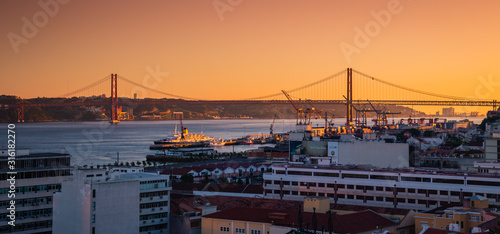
<point x="240" y="49"/>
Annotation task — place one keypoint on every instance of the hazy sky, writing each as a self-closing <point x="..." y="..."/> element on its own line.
<point x="230" y="49"/>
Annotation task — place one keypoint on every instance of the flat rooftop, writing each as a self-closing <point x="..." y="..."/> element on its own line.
<point x="421" y="171"/>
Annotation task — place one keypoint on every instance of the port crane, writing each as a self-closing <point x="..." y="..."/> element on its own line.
<point x="182" y="126"/>
<point x="271" y="131"/>
<point x="303" y="115"/>
<point x="382" y="114"/>
<point x="360" y="113"/>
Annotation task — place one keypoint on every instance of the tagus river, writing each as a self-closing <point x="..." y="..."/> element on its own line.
<point x="99" y="142"/>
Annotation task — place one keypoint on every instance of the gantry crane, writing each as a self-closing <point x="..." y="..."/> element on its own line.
<point x="382" y="115"/>
<point x="271" y="131"/>
<point x="360" y="114"/>
<point x="303" y="115"/>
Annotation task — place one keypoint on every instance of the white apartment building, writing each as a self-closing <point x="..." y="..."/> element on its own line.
<point x="118" y="200"/>
<point x="38" y="176"/>
<point x="399" y="188"/>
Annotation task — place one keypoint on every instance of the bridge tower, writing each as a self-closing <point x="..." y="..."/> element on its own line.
<point x="349" y="97"/>
<point x="114" y="97"/>
<point x="20" y="114"/>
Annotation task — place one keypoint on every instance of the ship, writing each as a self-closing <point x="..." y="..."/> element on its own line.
<point x="217" y="143"/>
<point x="182" y="140"/>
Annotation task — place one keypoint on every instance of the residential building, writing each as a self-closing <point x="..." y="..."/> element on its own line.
<point x="187" y="208"/>
<point x="266" y="221"/>
<point x="487" y="167"/>
<point x="38" y="176"/>
<point x="116" y="200"/>
<point x="450" y="112"/>
<point x="446" y="158"/>
<point x="399" y="188"/>
<point x="222" y="170"/>
<point x="491" y="148"/>
<point x="462" y="219"/>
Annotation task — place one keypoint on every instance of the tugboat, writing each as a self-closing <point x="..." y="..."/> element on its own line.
<point x="217" y="143"/>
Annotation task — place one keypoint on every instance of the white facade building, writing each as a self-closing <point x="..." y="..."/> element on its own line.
<point x="37" y="177"/>
<point x="113" y="201"/>
<point x="491" y="149"/>
<point x="399" y="188"/>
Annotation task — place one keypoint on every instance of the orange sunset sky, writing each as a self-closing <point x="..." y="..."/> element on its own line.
<point x="248" y="48"/>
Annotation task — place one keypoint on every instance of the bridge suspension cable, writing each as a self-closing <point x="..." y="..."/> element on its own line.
<point x="154" y="90"/>
<point x="280" y="94"/>
<point x="415" y="90"/>
<point x="90" y="86"/>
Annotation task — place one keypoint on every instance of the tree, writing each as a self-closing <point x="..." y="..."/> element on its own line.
<point x="127" y="164"/>
<point x="429" y="133"/>
<point x="247" y="180"/>
<point x="187" y="178"/>
<point x="132" y="163"/>
<point x="492" y="119"/>
<point x="414" y="132"/>
<point x="239" y="181"/>
<point x="138" y="163"/>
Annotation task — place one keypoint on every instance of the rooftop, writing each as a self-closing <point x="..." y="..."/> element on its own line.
<point x="422" y="171"/>
<point x="211" y="167"/>
<point x="183" y="203"/>
<point x="141" y="175"/>
<point x="360" y="221"/>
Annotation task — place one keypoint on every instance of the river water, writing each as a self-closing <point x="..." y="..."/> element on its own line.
<point x="99" y="142"/>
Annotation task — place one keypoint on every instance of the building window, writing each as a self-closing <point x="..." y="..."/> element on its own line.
<point x="449" y="216"/>
<point x="93" y="218"/>
<point x="239" y="230"/>
<point x="224" y="229"/>
<point x="423" y="224"/>
<point x="93" y="193"/>
<point x="474" y="218"/>
<point x="93" y="205"/>
<point x="93" y="230"/>
<point x="255" y="232"/>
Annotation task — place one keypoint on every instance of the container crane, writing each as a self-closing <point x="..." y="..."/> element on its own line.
<point x="271" y="131"/>
<point x="382" y="115"/>
<point x="360" y="113"/>
<point x="301" y="115"/>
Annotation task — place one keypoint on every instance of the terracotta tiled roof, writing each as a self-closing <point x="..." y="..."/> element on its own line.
<point x="439" y="231"/>
<point x="254" y="188"/>
<point x="227" y="202"/>
<point x="181" y="186"/>
<point x="494" y="223"/>
<point x="361" y="221"/>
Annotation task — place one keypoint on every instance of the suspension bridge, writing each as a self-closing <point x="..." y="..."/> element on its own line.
<point x="348" y="87"/>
